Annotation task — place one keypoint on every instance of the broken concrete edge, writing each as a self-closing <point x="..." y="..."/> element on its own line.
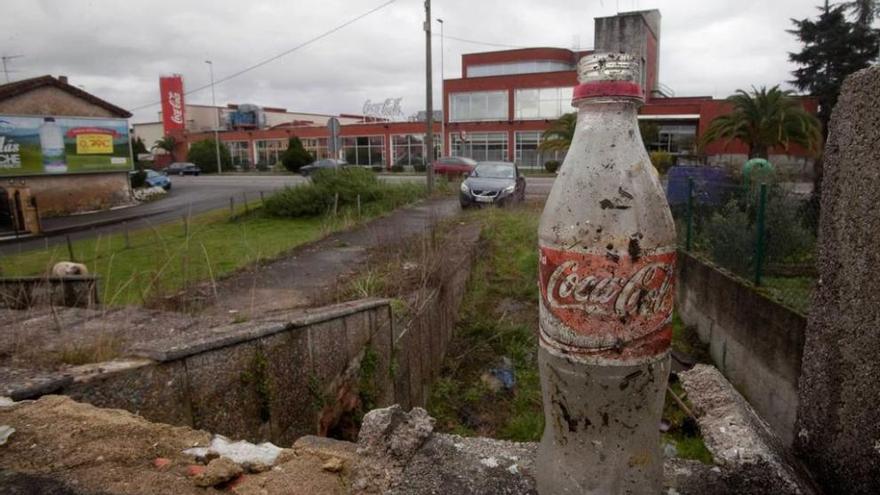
<point x="230" y="335"/>
<point x="741" y="442"/>
<point x="21" y="385"/>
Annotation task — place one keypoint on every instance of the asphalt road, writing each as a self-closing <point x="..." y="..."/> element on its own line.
<point x="192" y="195"/>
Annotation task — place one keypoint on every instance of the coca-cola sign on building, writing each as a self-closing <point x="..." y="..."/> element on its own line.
<point x="173" y="117"/>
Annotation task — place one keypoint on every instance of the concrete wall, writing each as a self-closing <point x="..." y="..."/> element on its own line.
<point x="756" y="342"/>
<point x="58" y="195"/>
<point x="281" y="379"/>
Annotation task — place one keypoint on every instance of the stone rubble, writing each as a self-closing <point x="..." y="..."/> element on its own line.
<point x="218" y="471"/>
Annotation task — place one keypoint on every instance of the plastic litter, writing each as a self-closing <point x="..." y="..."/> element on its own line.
<point x="6" y="431"/>
<point x="241" y="452"/>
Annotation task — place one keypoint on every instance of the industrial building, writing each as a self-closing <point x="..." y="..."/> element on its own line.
<point x="504" y="101"/>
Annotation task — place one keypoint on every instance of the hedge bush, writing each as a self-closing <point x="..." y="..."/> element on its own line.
<point x="551" y="166"/>
<point x="317" y="197"/>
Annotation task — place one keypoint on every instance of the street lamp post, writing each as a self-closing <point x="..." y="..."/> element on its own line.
<point x="216" y="127"/>
<point x="442" y="94"/>
<point x="429" y="107"/>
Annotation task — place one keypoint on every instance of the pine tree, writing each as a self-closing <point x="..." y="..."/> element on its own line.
<point x="833" y="49"/>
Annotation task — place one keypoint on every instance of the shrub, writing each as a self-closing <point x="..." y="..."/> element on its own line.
<point x="295" y="156"/>
<point x="318" y="196"/>
<point x="551" y="166"/>
<point x="298" y="201"/>
<point x="420" y="167"/>
<point x="204" y="155"/>
<point x="397" y="168"/>
<point x="376" y="168"/>
<point x="662" y="161"/>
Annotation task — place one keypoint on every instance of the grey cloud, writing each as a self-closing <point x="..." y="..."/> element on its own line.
<point x="118" y="50"/>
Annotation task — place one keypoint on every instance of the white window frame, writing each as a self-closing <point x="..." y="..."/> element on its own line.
<point x="472" y="102"/>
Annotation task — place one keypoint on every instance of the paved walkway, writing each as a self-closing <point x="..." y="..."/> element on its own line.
<point x="299" y="279"/>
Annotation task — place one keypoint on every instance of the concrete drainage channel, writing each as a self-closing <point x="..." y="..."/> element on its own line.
<point x="277" y="379"/>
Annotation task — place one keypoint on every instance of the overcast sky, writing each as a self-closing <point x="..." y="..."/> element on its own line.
<point x="118" y="49"/>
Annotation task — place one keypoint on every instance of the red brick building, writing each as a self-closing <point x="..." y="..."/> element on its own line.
<point x="504" y="100"/>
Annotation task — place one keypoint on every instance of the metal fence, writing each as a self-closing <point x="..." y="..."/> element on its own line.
<point x="763" y="231"/>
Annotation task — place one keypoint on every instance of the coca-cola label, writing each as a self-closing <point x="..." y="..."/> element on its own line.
<point x="609" y="299"/>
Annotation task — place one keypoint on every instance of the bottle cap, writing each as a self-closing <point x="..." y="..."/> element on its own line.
<point x="605" y="74"/>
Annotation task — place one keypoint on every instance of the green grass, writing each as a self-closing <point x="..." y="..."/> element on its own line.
<point x="163" y="260"/>
<point x="794" y="292"/>
<point x="499" y="319"/>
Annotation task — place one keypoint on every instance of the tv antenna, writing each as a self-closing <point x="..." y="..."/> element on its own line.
<point x="5" y="59"/>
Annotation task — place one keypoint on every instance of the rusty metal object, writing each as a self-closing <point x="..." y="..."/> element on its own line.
<point x="606" y="276"/>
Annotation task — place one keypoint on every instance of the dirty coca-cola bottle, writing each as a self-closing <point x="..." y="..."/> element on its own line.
<point x="607" y="258"/>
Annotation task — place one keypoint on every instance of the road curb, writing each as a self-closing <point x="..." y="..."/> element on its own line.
<point x="78" y="228"/>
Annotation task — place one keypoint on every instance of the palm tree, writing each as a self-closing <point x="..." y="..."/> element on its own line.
<point x="763" y="119"/>
<point x="558" y="136"/>
<point x="167" y="143"/>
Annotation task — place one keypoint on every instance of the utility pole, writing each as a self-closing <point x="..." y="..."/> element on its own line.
<point x="5" y="59"/>
<point x="429" y="106"/>
<point x="216" y="127"/>
<point x="442" y="93"/>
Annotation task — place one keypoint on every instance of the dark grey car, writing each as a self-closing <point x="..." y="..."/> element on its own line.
<point x="326" y="163"/>
<point x="493" y="183"/>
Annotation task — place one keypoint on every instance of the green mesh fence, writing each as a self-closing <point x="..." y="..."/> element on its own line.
<point x="764" y="232"/>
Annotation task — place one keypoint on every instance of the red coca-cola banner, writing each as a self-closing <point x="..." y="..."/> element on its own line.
<point x="173" y="118"/>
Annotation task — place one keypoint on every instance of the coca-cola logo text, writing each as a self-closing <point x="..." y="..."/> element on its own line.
<point x="641" y="294"/>
<point x="176" y="103"/>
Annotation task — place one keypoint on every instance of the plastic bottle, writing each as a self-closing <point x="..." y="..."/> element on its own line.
<point x="52" y="147"/>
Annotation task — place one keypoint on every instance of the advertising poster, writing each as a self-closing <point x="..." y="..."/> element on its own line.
<point x="62" y="145"/>
<point x="173" y="117"/>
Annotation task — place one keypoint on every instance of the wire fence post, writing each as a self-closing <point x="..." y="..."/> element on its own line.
<point x="690" y="216"/>
<point x="759" y="237"/>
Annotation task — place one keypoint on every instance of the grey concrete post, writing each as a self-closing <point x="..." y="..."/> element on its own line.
<point x="838" y="425"/>
<point x="606" y="268"/>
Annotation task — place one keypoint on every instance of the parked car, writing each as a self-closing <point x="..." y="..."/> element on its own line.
<point x="454" y="166"/>
<point x="493" y="183"/>
<point x="155" y="179"/>
<point x="183" y="168"/>
<point x="326" y="163"/>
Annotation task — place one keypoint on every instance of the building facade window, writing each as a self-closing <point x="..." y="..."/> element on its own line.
<point x="481" y="146"/>
<point x="409" y="149"/>
<point x="526" y="67"/>
<point x="240" y="151"/>
<point x="542" y="103"/>
<point x="478" y="106"/>
<point x="677" y="139"/>
<point x="526" y="153"/>
<point x="269" y="152"/>
<point x="364" y="150"/>
<point x="317" y="147"/>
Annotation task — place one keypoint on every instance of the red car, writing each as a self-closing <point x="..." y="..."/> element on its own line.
<point x="454" y="166"/>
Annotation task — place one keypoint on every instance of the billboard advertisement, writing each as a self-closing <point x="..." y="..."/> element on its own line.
<point x="173" y="118"/>
<point x="61" y="145"/>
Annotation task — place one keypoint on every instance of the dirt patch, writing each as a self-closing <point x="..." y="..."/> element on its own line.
<point x="77" y="448"/>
